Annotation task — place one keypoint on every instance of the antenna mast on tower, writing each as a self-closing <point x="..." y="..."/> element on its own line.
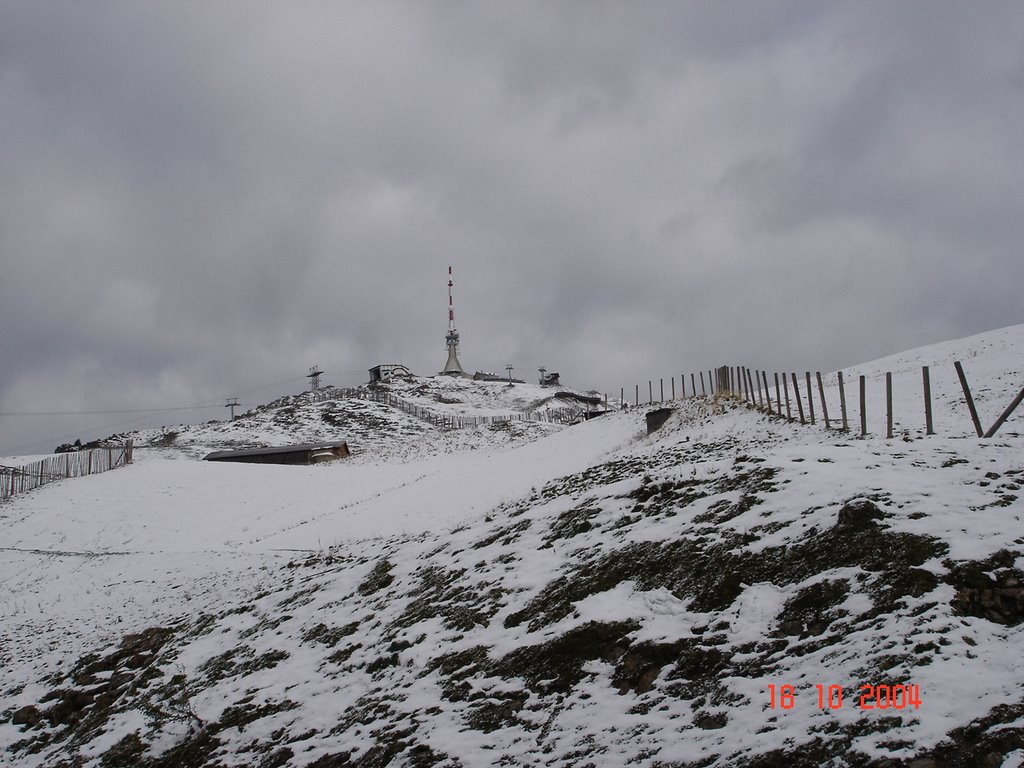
<point x="452" y="367"/>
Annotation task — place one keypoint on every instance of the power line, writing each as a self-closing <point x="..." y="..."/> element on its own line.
<point x="4" y="412"/>
<point x="102" y="413"/>
<point x="122" y="411"/>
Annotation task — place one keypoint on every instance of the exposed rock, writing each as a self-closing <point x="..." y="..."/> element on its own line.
<point x="860" y="513"/>
<point x="709" y="722"/>
<point x="998" y="597"/>
<point x="29" y="716"/>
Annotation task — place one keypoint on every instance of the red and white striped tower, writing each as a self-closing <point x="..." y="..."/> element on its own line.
<point x="452" y="367"/>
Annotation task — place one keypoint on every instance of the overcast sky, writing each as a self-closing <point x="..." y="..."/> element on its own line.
<point x="201" y="200"/>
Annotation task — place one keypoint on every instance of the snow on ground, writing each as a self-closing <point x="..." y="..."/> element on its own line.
<point x="523" y="594"/>
<point x="237" y="517"/>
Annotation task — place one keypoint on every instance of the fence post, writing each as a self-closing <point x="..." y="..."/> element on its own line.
<point x="661" y="383"/>
<point x="842" y="402"/>
<point x="767" y="392"/>
<point x="888" y="405"/>
<point x="810" y="397"/>
<point x="863" y="407"/>
<point x="785" y="388"/>
<point x="650" y="392"/>
<point x="682" y="384"/>
<point x="1006" y="414"/>
<point x="796" y="396"/>
<point x="967" y="394"/>
<point x="760" y="392"/>
<point x="637" y="396"/>
<point x="622" y="396"/>
<point x="929" y="428"/>
<point x="824" y="405"/>
<point x="673" y="387"/>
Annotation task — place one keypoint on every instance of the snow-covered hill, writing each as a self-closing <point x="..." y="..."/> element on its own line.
<point x="373" y="427"/>
<point x="528" y="594"/>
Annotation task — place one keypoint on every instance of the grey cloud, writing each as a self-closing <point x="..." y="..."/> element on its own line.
<point x="199" y="199"/>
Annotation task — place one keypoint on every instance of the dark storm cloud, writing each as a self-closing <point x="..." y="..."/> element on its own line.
<point x="199" y="199"/>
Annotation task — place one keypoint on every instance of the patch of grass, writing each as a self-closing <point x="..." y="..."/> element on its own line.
<point x="329" y="636"/>
<point x="506" y="535"/>
<point x="443" y="593"/>
<point x="82" y="701"/>
<point x="557" y="665"/>
<point x="641" y="664"/>
<point x="244" y="712"/>
<point x="813" y="608"/>
<point x="379" y="578"/>
<point x="572" y="522"/>
<point x="998" y="597"/>
<point x="340" y="657"/>
<point x="195" y="751"/>
<point x="712" y="574"/>
<point x="241" y="660"/>
<point x="126" y="753"/>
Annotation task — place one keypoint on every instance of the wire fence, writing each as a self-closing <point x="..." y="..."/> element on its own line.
<point x="14" y="480"/>
<point x="792" y="393"/>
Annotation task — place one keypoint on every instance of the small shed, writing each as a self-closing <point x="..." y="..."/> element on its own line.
<point x="385" y="371"/>
<point x="585" y="399"/>
<point x="310" y="453"/>
<point x="549" y="379"/>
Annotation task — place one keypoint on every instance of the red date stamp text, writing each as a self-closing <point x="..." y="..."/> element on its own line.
<point x="866" y="697"/>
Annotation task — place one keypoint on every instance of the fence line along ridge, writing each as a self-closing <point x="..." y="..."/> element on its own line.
<point x="752" y="387"/>
<point x="62" y="466"/>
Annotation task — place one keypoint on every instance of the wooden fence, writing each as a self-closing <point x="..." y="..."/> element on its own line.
<point x="791" y="392"/>
<point x="445" y="420"/>
<point x="60" y="466"/>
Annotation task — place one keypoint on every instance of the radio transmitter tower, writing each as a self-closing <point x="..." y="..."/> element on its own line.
<point x="452" y="367"/>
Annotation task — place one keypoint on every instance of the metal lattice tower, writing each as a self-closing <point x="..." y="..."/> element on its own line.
<point x="453" y="366"/>
<point x="314" y="377"/>
<point x="232" y="404"/>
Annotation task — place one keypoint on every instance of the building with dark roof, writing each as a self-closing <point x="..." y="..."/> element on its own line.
<point x="310" y="453"/>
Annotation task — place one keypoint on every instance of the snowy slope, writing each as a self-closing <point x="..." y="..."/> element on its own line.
<point x="374" y="428"/>
<point x="579" y="596"/>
